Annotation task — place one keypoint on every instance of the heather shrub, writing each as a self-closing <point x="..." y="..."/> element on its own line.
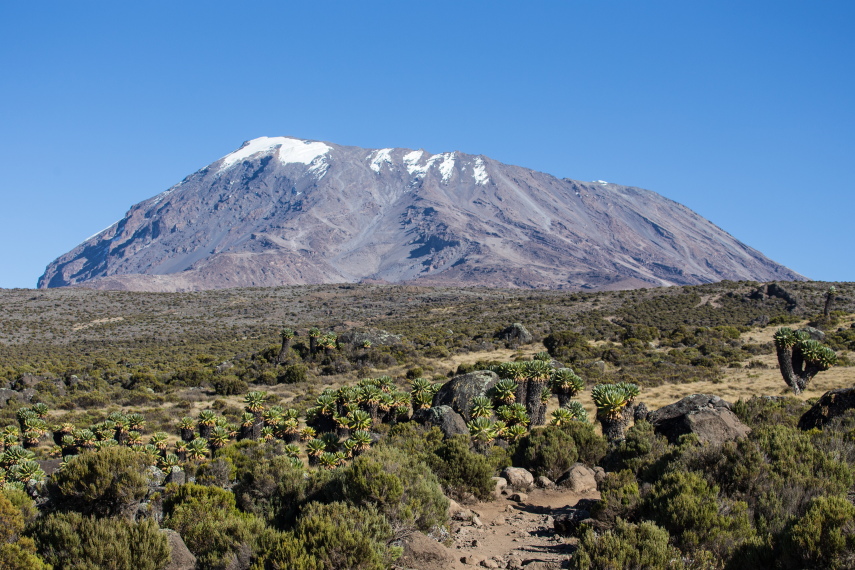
<point x="460" y="470"/>
<point x="548" y="451"/>
<point x="400" y="486"/>
<point x="619" y="498"/>
<point x="627" y="546"/>
<point x="111" y="481"/>
<point x="590" y="445"/>
<point x="689" y="508"/>
<point x="214" y="530"/>
<point x="823" y="538"/>
<point x="346" y="537"/>
<point x="72" y="541"/>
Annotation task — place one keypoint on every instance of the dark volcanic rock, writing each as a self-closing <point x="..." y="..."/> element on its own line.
<point x="708" y="417"/>
<point x="282" y="211"/>
<point x="444" y="417"/>
<point x="461" y="390"/>
<point x="830" y="405"/>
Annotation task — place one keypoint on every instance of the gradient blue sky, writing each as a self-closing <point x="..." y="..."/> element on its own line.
<point x="742" y="111"/>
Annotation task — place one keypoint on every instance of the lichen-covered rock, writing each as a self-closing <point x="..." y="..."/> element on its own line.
<point x="460" y="391"/>
<point x="421" y="551"/>
<point x="518" y="478"/>
<point x="579" y="478"/>
<point x="832" y="404"/>
<point x="515" y="335"/>
<point x="708" y="417"/>
<point x="444" y="417"/>
<point x="181" y="558"/>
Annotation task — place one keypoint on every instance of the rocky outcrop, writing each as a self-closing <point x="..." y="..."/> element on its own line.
<point x="515" y="335"/>
<point x="261" y="216"/>
<point x="831" y="405"/>
<point x="708" y="417"/>
<point x="424" y="553"/>
<point x="444" y="417"/>
<point x="180" y="558"/>
<point x="459" y="392"/>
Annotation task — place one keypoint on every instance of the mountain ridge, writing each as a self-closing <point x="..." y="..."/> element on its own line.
<point x="281" y="211"/>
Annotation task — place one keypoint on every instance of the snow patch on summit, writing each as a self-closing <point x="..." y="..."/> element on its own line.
<point x="379" y="157"/>
<point x="446" y="167"/>
<point x="290" y="151"/>
<point x="479" y="172"/>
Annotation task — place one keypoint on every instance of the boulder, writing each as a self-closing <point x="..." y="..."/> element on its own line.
<point x="501" y="483"/>
<point x="176" y="475"/>
<point x="444" y="417"/>
<point x="570" y="524"/>
<point x="830" y="405"/>
<point x="708" y="417"/>
<point x="515" y="335"/>
<point x="421" y="551"/>
<point x="461" y="390"/>
<point x="6" y="394"/>
<point x="544" y="482"/>
<point x="579" y="479"/>
<point x="181" y="558"/>
<point x="518" y="478"/>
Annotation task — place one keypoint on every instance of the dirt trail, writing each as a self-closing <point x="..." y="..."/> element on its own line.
<point x="515" y="534"/>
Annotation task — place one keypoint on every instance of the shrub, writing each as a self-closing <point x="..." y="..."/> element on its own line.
<point x="400" y="486"/>
<point x="292" y="373"/>
<point x="690" y="509"/>
<point x="824" y="537"/>
<point x="212" y="527"/>
<point x="71" y="541"/>
<point x="548" y="451"/>
<point x="345" y="537"/>
<point x="590" y="445"/>
<point x="619" y="498"/>
<point x="228" y="385"/>
<point x="111" y="481"/>
<point x="460" y="470"/>
<point x="628" y="546"/>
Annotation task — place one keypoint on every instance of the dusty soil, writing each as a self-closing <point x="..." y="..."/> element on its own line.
<point x="515" y="534"/>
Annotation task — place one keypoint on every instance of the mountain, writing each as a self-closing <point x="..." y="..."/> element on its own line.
<point x="281" y="211"/>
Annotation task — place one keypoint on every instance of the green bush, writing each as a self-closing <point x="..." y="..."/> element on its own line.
<point x="228" y="385"/>
<point x="71" y="541"/>
<point x="684" y="504"/>
<point x="824" y="537"/>
<point x="214" y="530"/>
<point x="108" y="482"/>
<point x="461" y="471"/>
<point x="400" y="486"/>
<point x="346" y="537"/>
<point x="292" y="373"/>
<point x="548" y="451"/>
<point x="590" y="445"/>
<point x="619" y="498"/>
<point x="627" y="547"/>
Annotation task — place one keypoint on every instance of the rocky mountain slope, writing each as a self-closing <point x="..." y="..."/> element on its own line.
<point x="282" y="211"/>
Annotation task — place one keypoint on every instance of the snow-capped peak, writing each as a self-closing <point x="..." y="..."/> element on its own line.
<point x="290" y="151"/>
<point x="479" y="172"/>
<point x="378" y="157"/>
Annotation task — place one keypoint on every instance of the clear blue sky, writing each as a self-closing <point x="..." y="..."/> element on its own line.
<point x="742" y="111"/>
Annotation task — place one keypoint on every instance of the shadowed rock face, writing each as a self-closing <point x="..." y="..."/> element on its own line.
<point x="283" y="211"/>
